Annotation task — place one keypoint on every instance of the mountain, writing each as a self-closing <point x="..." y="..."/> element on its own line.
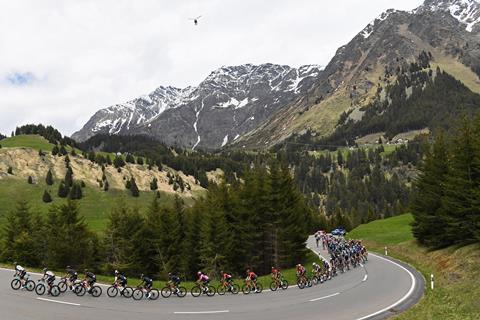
<point x="257" y="107"/>
<point x="228" y="103"/>
<point x="448" y="30"/>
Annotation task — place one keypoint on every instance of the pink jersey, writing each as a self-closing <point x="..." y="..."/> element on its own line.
<point x="203" y="277"/>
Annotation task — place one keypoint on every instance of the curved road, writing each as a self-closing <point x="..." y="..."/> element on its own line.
<point x="379" y="289"/>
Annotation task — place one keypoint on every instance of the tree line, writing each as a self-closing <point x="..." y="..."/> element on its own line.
<point x="446" y="206"/>
<point x="257" y="224"/>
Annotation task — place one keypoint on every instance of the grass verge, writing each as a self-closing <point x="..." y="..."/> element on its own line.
<point x="456" y="269"/>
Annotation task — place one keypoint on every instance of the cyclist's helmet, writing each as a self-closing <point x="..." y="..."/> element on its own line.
<point x="68" y="267"/>
<point x="199" y="273"/>
<point x="116" y="272"/>
<point x="169" y="274"/>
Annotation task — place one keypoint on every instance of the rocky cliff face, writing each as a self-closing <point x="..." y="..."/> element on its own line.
<point x="228" y="103"/>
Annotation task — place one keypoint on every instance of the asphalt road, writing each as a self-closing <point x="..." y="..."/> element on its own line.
<point x="379" y="289"/>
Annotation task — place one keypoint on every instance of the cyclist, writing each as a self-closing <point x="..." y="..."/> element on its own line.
<point x="252" y="279"/>
<point x="49" y="276"/>
<point x="120" y="279"/>
<point x="147" y="283"/>
<point x="226" y="277"/>
<point x="276" y="275"/>
<point x="173" y="281"/>
<point x="203" y="279"/>
<point x="90" y="278"/>
<point x="316" y="269"/>
<point x="21" y="273"/>
<point x="301" y="272"/>
<point x="71" y="276"/>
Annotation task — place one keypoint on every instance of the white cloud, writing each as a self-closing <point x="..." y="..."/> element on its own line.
<point x="84" y="55"/>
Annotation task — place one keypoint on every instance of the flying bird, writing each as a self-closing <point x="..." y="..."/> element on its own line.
<point x="195" y="20"/>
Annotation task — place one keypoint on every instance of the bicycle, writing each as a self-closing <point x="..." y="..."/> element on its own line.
<point x="171" y="288"/>
<point x="116" y="288"/>
<point x="41" y="288"/>
<point x="303" y="281"/>
<point x="200" y="289"/>
<point x="81" y="288"/>
<point x="66" y="283"/>
<point x="279" y="283"/>
<point x="250" y="286"/>
<point x="140" y="291"/>
<point x="28" y="284"/>
<point x="227" y="286"/>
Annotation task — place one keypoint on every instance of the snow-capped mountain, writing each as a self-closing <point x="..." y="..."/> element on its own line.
<point x="229" y="102"/>
<point x="465" y="11"/>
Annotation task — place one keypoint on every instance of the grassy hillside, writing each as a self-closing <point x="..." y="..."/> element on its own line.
<point x="456" y="269"/>
<point x="27" y="141"/>
<point x="94" y="206"/>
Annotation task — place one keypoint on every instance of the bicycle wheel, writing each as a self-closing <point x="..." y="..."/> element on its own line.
<point x="259" y="288"/>
<point x="182" y="292"/>
<point x="273" y="286"/>
<point x="62" y="286"/>
<point x="211" y="291"/>
<point x="16" y="284"/>
<point x="301" y="284"/>
<point x="166" y="292"/>
<point x="96" y="291"/>
<point x="55" y="291"/>
<point x="137" y="294"/>
<point x="284" y="285"/>
<point x="246" y="289"/>
<point x="235" y="288"/>
<point x="40" y="289"/>
<point x="196" y="291"/>
<point x="221" y="290"/>
<point x="127" y="292"/>
<point x="154" y="294"/>
<point x="80" y="290"/>
<point x="30" y="285"/>
<point x="112" y="291"/>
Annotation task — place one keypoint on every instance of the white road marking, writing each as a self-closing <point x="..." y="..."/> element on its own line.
<point x="201" y="312"/>
<point x="414" y="282"/>
<point x="365" y="278"/>
<point x="62" y="302"/>
<point x="326" y="297"/>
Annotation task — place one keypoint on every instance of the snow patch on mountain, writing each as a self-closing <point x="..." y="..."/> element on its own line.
<point x="368" y="30"/>
<point x="466" y="12"/>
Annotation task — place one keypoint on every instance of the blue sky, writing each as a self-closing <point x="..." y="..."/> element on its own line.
<point x="90" y="54"/>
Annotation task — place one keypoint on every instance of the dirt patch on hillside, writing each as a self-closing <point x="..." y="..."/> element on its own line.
<point x="27" y="162"/>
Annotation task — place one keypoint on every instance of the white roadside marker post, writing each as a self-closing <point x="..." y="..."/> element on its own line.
<point x="431" y="281"/>
<point x="386" y="251"/>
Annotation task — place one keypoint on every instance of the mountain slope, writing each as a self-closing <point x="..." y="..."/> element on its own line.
<point x="228" y="103"/>
<point x="369" y="62"/>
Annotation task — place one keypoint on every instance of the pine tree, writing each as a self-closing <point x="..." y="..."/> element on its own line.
<point x="75" y="192"/>
<point x="140" y="161"/>
<point x="62" y="150"/>
<point x="133" y="188"/>
<point x="10" y="170"/>
<point x="430" y="220"/>
<point x="49" y="178"/>
<point x="118" y="162"/>
<point x="47" y="198"/>
<point x="30" y="180"/>
<point x="461" y="185"/>
<point x="63" y="190"/>
<point x="106" y="186"/>
<point x="129" y="158"/>
<point x="69" y="177"/>
<point x="55" y="150"/>
<point x="154" y="184"/>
